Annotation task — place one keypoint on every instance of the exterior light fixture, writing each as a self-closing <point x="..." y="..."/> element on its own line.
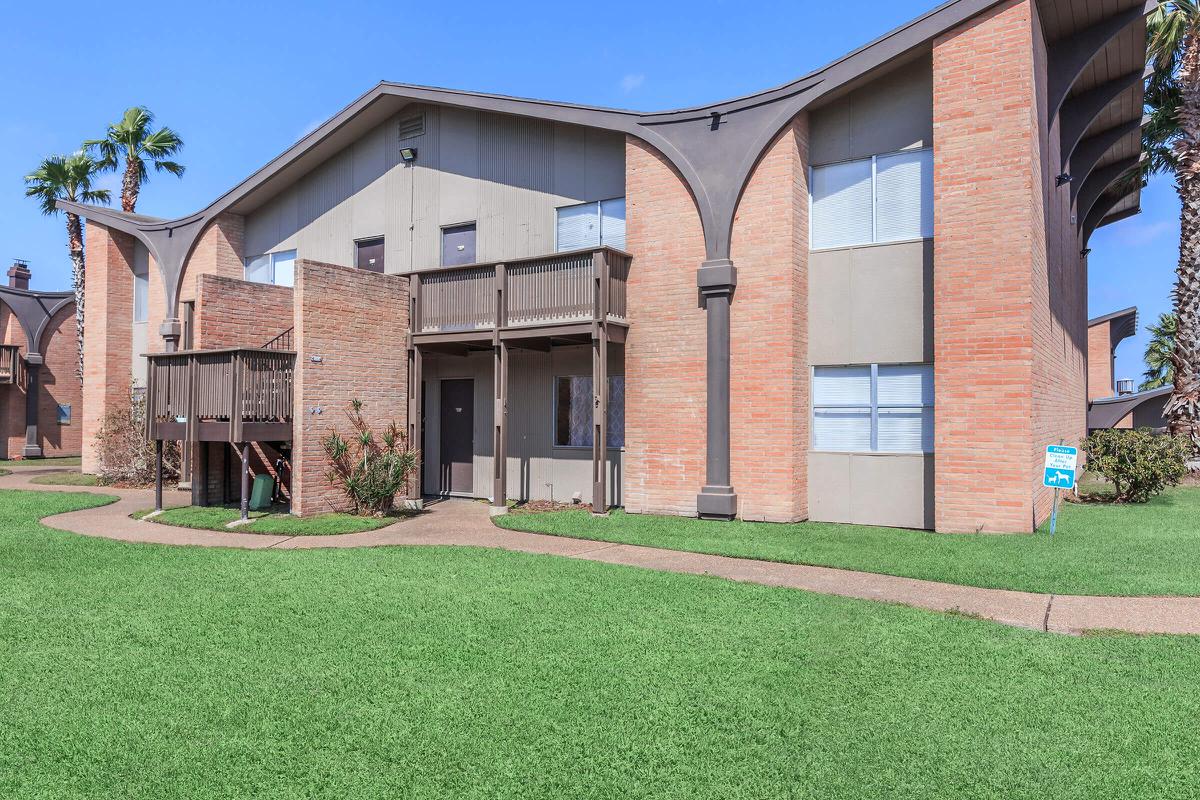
<point x="408" y="154"/>
<point x="1065" y="177"/>
<point x="1084" y="252"/>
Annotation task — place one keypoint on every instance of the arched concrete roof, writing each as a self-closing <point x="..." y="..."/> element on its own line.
<point x="33" y="311"/>
<point x="716" y="147"/>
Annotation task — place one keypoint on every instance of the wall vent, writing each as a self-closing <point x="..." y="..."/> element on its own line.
<point x="412" y="126"/>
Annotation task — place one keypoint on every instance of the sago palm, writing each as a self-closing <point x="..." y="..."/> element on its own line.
<point x="69" y="178"/>
<point x="1173" y="141"/>
<point x="133" y="140"/>
<point x="1159" y="369"/>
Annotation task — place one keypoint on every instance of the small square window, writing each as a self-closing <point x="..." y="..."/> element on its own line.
<point x="64" y="413"/>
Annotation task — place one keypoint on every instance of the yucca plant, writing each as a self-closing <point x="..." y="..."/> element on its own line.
<point x="369" y="468"/>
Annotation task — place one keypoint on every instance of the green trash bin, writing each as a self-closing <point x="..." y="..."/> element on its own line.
<point x="261" y="491"/>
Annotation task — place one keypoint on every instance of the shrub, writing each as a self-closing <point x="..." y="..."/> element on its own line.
<point x="1138" y="463"/>
<point x="369" y="468"/>
<point x="126" y="457"/>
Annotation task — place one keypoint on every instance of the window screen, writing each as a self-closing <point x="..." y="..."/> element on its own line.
<point x="612" y="223"/>
<point x="591" y="225"/>
<point x="573" y="411"/>
<point x="258" y="269"/>
<point x="874" y="408"/>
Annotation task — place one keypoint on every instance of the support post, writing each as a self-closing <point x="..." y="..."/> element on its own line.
<point x="245" y="449"/>
<point x="158" y="474"/>
<point x="500" y="430"/>
<point x="33" y="396"/>
<point x="200" y="475"/>
<point x="416" y="431"/>
<point x="171" y="331"/>
<point x="600" y="422"/>
<point x="717" y="500"/>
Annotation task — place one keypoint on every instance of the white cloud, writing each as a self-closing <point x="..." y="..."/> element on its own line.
<point x="1137" y="233"/>
<point x="632" y="81"/>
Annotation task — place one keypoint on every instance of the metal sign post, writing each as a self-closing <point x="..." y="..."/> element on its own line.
<point x="1059" y="474"/>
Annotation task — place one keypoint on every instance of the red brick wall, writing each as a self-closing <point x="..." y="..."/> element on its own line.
<point x="769" y="335"/>
<point x="60" y="384"/>
<point x="1059" y="297"/>
<point x="1009" y="288"/>
<point x="1100" y="377"/>
<point x="356" y="322"/>
<point x="665" y="355"/>
<point x="107" y="334"/>
<point x="234" y="313"/>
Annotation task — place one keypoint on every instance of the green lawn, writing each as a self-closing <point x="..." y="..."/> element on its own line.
<point x="217" y="518"/>
<point x="66" y="479"/>
<point x="65" y="461"/>
<point x="1100" y="549"/>
<point x="147" y="671"/>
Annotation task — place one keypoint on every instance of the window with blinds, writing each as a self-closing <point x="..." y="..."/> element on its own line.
<point x="277" y="268"/>
<point x="886" y="198"/>
<point x="591" y="225"/>
<point x="873" y="409"/>
<point x="573" y="411"/>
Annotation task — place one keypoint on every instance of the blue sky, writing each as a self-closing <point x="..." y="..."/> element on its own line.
<point x="242" y="81"/>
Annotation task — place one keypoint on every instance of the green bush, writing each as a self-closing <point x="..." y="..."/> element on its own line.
<point x="369" y="468"/>
<point x="1138" y="463"/>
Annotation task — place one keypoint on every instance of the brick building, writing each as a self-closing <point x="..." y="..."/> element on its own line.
<point x="40" y="391"/>
<point x="1112" y="402"/>
<point x="859" y="297"/>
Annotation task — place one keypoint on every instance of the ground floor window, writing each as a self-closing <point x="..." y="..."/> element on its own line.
<point x="64" y="414"/>
<point x="873" y="408"/>
<point x="573" y="411"/>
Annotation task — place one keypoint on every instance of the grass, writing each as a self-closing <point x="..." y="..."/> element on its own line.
<point x="217" y="518"/>
<point x="66" y="479"/>
<point x="1099" y="549"/>
<point x="146" y="671"/>
<point x="64" y="461"/>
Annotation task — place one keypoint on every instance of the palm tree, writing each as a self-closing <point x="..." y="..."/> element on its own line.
<point x="69" y="178"/>
<point x="133" y="139"/>
<point x="1173" y="141"/>
<point x="1159" y="369"/>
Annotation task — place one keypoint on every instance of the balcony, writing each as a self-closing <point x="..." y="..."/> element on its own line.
<point x="235" y="395"/>
<point x="559" y="295"/>
<point x="8" y="363"/>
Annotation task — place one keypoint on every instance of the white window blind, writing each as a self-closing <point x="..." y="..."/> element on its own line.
<point x="886" y="198"/>
<point x="284" y="265"/>
<point x="904" y="196"/>
<point x="258" y="269"/>
<point x="141" y="296"/>
<point x="612" y="223"/>
<point x="841" y="204"/>
<point x="873" y="408"/>
<point x="578" y="227"/>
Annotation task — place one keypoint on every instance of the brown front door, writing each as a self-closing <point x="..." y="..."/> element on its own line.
<point x="457" y="435"/>
<point x="369" y="254"/>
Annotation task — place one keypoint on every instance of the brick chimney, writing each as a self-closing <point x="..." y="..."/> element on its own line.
<point x="18" y="274"/>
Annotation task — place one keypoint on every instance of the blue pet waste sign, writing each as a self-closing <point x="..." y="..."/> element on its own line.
<point x="1059" y="473"/>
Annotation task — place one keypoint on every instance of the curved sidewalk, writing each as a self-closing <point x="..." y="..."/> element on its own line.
<point x="465" y="523"/>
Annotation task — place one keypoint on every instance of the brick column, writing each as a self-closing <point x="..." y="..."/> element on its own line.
<point x="107" y="344"/>
<point x="354" y="322"/>
<point x="770" y="380"/>
<point x="989" y="244"/>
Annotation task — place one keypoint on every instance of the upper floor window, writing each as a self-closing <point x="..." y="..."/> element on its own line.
<point x="885" y="198"/>
<point x="874" y="408"/>
<point x="591" y="225"/>
<point x="277" y="268"/>
<point x="141" y="295"/>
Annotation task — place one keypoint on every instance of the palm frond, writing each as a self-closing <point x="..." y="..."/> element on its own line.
<point x="172" y="167"/>
<point x="65" y="178"/>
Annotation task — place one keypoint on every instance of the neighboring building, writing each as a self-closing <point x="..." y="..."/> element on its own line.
<point x="859" y="297"/>
<point x="1113" y="403"/>
<point x="40" y="392"/>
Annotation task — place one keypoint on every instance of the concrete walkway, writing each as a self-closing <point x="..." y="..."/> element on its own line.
<point x="465" y="523"/>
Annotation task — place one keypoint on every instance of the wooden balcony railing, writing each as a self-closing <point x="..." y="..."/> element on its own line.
<point x="548" y="290"/>
<point x="234" y="395"/>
